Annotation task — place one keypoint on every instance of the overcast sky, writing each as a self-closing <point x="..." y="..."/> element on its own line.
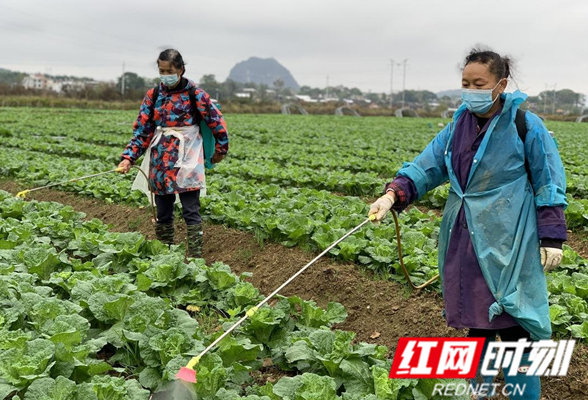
<point x="351" y="42"/>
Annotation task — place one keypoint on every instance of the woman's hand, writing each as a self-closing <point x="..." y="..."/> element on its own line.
<point x="124" y="166"/>
<point x="381" y="206"/>
<point x="217" y="157"/>
<point x="550" y="258"/>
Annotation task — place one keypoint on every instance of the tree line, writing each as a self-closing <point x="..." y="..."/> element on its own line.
<point x="563" y="101"/>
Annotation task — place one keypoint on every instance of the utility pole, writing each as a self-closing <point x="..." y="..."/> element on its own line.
<point x="545" y="99"/>
<point x="404" y="81"/>
<point x="554" y="87"/>
<point x="391" y="81"/>
<point x="122" y="81"/>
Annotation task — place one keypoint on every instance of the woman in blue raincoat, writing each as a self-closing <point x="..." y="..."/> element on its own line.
<point x="503" y="224"/>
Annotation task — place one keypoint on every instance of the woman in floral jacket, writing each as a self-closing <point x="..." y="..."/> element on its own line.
<point x="167" y="130"/>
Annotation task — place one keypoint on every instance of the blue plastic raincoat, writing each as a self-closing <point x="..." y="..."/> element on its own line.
<point x="500" y="207"/>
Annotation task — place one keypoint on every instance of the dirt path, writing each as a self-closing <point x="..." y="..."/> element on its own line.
<point x="379" y="311"/>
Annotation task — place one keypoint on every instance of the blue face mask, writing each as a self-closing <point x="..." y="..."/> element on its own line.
<point x="478" y="101"/>
<point x="169" y="80"/>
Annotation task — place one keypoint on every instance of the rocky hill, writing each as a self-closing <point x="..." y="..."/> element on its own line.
<point x="262" y="71"/>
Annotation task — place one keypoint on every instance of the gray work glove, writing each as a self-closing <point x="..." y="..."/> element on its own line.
<point x="381" y="206"/>
<point x="550" y="258"/>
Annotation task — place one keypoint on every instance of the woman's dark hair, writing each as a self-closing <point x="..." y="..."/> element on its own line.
<point x="173" y="56"/>
<point x="500" y="67"/>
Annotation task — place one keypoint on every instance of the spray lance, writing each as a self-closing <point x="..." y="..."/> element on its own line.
<point x="23" y="194"/>
<point x="188" y="373"/>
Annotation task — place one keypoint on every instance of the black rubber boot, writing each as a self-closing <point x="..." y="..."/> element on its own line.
<point x="165" y="233"/>
<point x="195" y="241"/>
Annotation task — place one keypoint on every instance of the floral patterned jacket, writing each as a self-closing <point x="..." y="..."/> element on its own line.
<point x="172" y="109"/>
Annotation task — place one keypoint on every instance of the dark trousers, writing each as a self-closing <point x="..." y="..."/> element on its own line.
<point x="531" y="383"/>
<point x="190" y="207"/>
<point x="511" y="334"/>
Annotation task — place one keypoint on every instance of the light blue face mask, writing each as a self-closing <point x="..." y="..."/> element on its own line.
<point x="478" y="101"/>
<point x="169" y="80"/>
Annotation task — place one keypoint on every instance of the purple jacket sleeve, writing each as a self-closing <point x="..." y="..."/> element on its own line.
<point x="405" y="191"/>
<point x="551" y="226"/>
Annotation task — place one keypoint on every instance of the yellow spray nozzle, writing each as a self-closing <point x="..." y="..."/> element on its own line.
<point x="251" y="311"/>
<point x="193" y="308"/>
<point x="23" y="194"/>
<point x="193" y="362"/>
<point x="119" y="169"/>
<point x="372" y="217"/>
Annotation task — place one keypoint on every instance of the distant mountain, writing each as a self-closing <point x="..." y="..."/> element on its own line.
<point x="455" y="93"/>
<point x="262" y="71"/>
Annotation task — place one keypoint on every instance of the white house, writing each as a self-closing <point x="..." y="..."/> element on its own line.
<point x="40" y="81"/>
<point x="36" y="81"/>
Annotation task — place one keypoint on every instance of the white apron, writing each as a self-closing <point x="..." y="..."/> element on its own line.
<point x="190" y="160"/>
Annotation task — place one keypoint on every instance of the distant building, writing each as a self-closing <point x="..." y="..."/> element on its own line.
<point x="42" y="82"/>
<point x="61" y="86"/>
<point x="56" y="86"/>
<point x="36" y="81"/>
